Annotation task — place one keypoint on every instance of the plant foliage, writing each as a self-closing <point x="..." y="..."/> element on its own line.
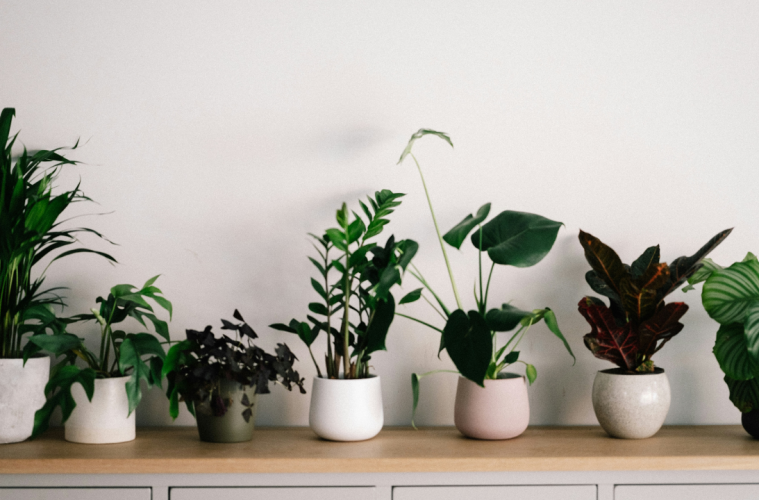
<point x="731" y="297"/>
<point x="30" y="230"/>
<point x="637" y="323"/>
<point x="137" y="355"/>
<point x="195" y="367"/>
<point x="510" y="238"/>
<point x="356" y="309"/>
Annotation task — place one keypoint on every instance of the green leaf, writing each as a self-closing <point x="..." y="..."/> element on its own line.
<point x="531" y="372"/>
<point x="408" y="249"/>
<point x="171" y="362"/>
<point x="306" y="333"/>
<point x="744" y="393"/>
<point x="511" y="357"/>
<point x="319" y="288"/>
<point x="121" y="290"/>
<point x="281" y="327"/>
<point x="57" y="344"/>
<point x="418" y="135"/>
<point x="517" y="239"/>
<point x="318" y="308"/>
<point x="355" y="230"/>
<point x="731" y="352"/>
<point x="412" y="296"/>
<point x="156" y="369"/>
<point x="318" y="265"/>
<point x="415" y="393"/>
<point x="751" y="326"/>
<point x="337" y="237"/>
<point x="130" y="356"/>
<point x="650" y="257"/>
<point x="505" y="319"/>
<point x="728" y="294"/>
<point x="704" y="272"/>
<point x="550" y="318"/>
<point x="606" y="264"/>
<point x="469" y="344"/>
<point x="59" y="388"/>
<point x="389" y="277"/>
<point x="456" y="236"/>
<point x="379" y="325"/>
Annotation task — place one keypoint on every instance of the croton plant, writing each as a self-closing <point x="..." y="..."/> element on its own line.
<point x="637" y="323"/>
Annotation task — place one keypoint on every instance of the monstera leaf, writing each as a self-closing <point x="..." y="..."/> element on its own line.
<point x="469" y="344"/>
<point x="517" y="239"/>
<point x="607" y="340"/>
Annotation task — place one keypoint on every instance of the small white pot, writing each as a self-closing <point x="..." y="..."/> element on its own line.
<point x="631" y="406"/>
<point x="346" y="409"/>
<point x="104" y="419"/>
<point x="22" y="393"/>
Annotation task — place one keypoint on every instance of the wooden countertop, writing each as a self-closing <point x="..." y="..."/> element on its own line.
<point x="297" y="449"/>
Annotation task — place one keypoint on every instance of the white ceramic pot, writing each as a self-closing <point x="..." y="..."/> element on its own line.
<point x="500" y="410"/>
<point x="104" y="419"/>
<point x="346" y="410"/>
<point x="22" y="393"/>
<point x="631" y="406"/>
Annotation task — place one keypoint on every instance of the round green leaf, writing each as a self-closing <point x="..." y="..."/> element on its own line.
<point x="728" y="294"/>
<point x="731" y="352"/>
<point x="517" y="239"/>
<point x="744" y="393"/>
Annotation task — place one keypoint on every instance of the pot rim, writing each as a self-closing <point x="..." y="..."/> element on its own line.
<point x="31" y="358"/>
<point x="620" y="371"/>
<point x="347" y="379"/>
<point x="505" y="379"/>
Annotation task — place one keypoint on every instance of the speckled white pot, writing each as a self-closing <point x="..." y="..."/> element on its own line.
<point x="500" y="410"/>
<point x="22" y="393"/>
<point x="104" y="419"/>
<point x="346" y="410"/>
<point x="631" y="406"/>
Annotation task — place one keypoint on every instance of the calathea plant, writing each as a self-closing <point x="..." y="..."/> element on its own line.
<point x="731" y="298"/>
<point x="195" y="367"/>
<point x="136" y="355"/>
<point x="31" y="231"/>
<point x="637" y="323"/>
<point x="356" y="308"/>
<point x="510" y="238"/>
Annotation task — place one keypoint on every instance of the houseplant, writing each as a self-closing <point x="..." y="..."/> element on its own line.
<point x="31" y="233"/>
<point x="355" y="312"/>
<point x="219" y="379"/>
<point x="491" y="403"/>
<point x="98" y="400"/>
<point x="632" y="400"/>
<point x="731" y="297"/>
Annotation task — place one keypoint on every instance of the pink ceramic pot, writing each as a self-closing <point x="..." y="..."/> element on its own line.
<point x="500" y="410"/>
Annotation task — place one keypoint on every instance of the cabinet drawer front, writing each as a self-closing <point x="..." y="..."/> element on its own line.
<point x="581" y="492"/>
<point x="687" y="492"/>
<point x="313" y="493"/>
<point x="75" y="493"/>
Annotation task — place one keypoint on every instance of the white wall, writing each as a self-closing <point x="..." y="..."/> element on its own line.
<point x="219" y="133"/>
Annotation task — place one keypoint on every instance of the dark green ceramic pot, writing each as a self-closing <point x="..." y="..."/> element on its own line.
<point x="232" y="426"/>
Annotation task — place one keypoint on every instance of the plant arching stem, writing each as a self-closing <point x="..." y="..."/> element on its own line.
<point x="437" y="230"/>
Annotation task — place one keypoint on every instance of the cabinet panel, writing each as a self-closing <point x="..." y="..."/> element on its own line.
<point x="580" y="492"/>
<point x="687" y="492"/>
<point x="314" y="493"/>
<point x="75" y="493"/>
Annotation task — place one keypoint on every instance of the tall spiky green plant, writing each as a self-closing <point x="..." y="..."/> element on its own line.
<point x="30" y="230"/>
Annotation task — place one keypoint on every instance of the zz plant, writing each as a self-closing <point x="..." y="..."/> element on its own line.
<point x="356" y="274"/>
<point x="637" y="323"/>
<point x="30" y="231"/>
<point x="510" y="238"/>
<point x="136" y="355"/>
<point x="731" y="298"/>
<point x="195" y="367"/>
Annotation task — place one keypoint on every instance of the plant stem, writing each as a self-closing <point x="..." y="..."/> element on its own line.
<point x="419" y="321"/>
<point x="329" y="315"/>
<point x="437" y="230"/>
<point x="487" y="288"/>
<point x="318" y="371"/>
<point x="479" y="259"/>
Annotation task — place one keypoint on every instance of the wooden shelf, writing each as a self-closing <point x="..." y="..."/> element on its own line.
<point x="167" y="450"/>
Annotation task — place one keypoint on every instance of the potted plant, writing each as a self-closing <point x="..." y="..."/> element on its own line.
<point x="30" y="231"/>
<point x="632" y="401"/>
<point x="355" y="311"/>
<point x="98" y="400"/>
<point x="491" y="402"/>
<point x="731" y="298"/>
<point x="219" y="379"/>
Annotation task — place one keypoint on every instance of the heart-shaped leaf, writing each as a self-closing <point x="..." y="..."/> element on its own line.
<point x="469" y="344"/>
<point x="505" y="319"/>
<point x="517" y="239"/>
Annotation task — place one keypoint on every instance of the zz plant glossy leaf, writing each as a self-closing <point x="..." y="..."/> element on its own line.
<point x="517" y="239"/>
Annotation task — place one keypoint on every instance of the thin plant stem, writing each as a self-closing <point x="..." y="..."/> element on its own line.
<point x="437" y="230"/>
<point x="419" y="321"/>
<point x="487" y="288"/>
<point x="433" y="307"/>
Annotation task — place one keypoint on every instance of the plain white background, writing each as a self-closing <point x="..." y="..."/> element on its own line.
<point x="217" y="134"/>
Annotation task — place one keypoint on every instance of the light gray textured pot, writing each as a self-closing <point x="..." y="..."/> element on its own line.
<point x="631" y="406"/>
<point x="22" y="393"/>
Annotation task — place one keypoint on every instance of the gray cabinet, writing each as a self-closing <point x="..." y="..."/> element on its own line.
<point x="75" y="494"/>
<point x="573" y="492"/>
<point x="687" y="492"/>
<point x="282" y="493"/>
